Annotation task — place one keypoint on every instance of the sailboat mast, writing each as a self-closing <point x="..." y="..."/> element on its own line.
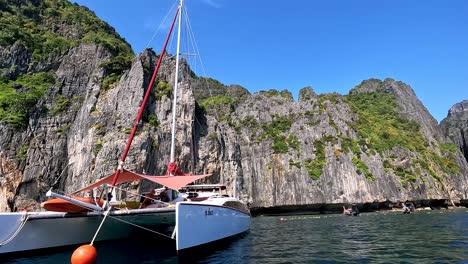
<point x="176" y="85"/>
<point x="143" y="104"/>
<point x="137" y="120"/>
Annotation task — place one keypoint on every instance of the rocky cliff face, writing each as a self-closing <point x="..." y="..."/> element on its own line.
<point x="82" y="142"/>
<point x="327" y="149"/>
<point x="378" y="144"/>
<point x="455" y="126"/>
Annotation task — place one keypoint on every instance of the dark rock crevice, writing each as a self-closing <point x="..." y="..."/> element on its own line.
<point x="464" y="147"/>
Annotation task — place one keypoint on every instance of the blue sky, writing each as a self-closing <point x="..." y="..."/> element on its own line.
<point x="329" y="45"/>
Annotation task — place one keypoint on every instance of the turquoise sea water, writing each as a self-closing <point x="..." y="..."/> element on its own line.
<point x="439" y="236"/>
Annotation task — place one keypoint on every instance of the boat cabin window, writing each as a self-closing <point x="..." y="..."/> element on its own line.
<point x="237" y="205"/>
<point x="192" y="195"/>
<point x="203" y="188"/>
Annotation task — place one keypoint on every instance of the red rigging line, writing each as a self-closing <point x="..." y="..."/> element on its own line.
<point x="143" y="104"/>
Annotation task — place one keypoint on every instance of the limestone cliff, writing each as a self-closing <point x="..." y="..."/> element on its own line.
<point x="377" y="144"/>
<point x="455" y="126"/>
<point x="74" y="106"/>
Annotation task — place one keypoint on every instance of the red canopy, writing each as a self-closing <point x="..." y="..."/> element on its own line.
<point x="172" y="182"/>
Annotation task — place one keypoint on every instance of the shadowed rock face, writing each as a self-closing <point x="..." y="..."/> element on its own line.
<point x="455" y="126"/>
<point x="322" y="149"/>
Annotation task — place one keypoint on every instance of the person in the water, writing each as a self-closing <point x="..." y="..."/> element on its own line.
<point x="351" y="211"/>
<point x="354" y="210"/>
<point x="408" y="207"/>
<point x="346" y="211"/>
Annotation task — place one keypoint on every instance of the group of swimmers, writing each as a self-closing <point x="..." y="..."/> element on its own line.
<point x="407" y="207"/>
<point x="353" y="211"/>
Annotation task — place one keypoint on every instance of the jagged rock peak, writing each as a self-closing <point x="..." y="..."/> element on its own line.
<point x="388" y="85"/>
<point x="273" y="92"/>
<point x="237" y="90"/>
<point x="410" y="107"/>
<point x="455" y="126"/>
<point x="458" y="108"/>
<point x="307" y="93"/>
<point x="367" y="86"/>
<point x="148" y="53"/>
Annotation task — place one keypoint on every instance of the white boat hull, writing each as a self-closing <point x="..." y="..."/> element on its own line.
<point x="201" y="223"/>
<point x="50" y="229"/>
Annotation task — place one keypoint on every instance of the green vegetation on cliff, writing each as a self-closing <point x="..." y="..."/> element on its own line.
<point x="19" y="96"/>
<point x="162" y="89"/>
<point x="45" y="30"/>
<point x="48" y="27"/>
<point x="114" y="69"/>
<point x="276" y="131"/>
<point x="273" y="93"/>
<point x="315" y="166"/>
<point x="204" y="88"/>
<point x="219" y="105"/>
<point x="381" y="128"/>
<point x="209" y="92"/>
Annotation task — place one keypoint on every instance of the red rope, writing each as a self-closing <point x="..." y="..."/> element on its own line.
<point x="145" y="99"/>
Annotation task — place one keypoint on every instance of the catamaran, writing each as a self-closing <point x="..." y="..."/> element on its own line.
<point x="196" y="215"/>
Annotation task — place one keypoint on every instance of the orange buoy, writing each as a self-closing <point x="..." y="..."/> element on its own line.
<point x="85" y="254"/>
<point x="282" y="219"/>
